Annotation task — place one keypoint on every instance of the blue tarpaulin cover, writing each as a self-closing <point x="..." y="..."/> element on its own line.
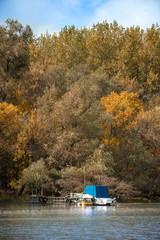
<point x="97" y="191"/>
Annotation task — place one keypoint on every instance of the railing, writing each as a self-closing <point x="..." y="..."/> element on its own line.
<point x="34" y="199"/>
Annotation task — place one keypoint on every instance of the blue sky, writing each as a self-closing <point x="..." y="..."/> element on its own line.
<point x="53" y="15"/>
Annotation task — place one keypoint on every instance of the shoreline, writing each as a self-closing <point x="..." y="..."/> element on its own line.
<point x="120" y="202"/>
<point x="13" y="197"/>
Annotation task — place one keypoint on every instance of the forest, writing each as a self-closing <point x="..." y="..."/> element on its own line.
<point x="80" y="107"/>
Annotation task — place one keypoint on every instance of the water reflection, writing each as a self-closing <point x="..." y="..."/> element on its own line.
<point x="74" y="222"/>
<point x="98" y="211"/>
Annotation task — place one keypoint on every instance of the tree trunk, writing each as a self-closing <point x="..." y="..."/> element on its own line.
<point x="41" y="191"/>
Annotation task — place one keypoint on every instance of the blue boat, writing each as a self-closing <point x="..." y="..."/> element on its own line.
<point x="99" y="195"/>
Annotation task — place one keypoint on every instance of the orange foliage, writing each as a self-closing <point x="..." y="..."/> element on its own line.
<point x="23" y="104"/>
<point x="16" y="130"/>
<point x="124" y="107"/>
<point x="10" y="120"/>
<point x="25" y="135"/>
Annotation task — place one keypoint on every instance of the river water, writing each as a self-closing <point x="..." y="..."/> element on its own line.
<point x="126" y="221"/>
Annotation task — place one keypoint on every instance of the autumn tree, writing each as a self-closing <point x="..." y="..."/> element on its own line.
<point x="53" y="89"/>
<point x="20" y="144"/>
<point x="37" y="178"/>
<point x="71" y="46"/>
<point x="72" y="120"/>
<point x="42" y="57"/>
<point x="148" y="129"/>
<point x="104" y="42"/>
<point x="10" y="124"/>
<point x="127" y="139"/>
<point x="14" y="57"/>
<point x="138" y="60"/>
<point x="123" y="108"/>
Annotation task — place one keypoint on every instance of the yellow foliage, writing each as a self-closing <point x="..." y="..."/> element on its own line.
<point x="17" y="129"/>
<point x="10" y="119"/>
<point x="124" y="107"/>
<point x="31" y="130"/>
<point x="23" y="105"/>
<point x="153" y="82"/>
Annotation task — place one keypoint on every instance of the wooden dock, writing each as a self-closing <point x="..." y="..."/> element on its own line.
<point x="73" y="198"/>
<point x="34" y="199"/>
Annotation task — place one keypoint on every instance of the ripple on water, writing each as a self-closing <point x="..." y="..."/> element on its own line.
<point x="64" y="222"/>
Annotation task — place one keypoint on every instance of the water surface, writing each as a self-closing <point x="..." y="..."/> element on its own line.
<point x="126" y="221"/>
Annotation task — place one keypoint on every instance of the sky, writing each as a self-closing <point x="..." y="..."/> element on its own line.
<point x="53" y="15"/>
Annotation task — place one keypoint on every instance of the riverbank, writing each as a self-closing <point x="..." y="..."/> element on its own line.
<point x="14" y="198"/>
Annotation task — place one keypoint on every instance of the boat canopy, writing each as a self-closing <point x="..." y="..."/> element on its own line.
<point x="97" y="191"/>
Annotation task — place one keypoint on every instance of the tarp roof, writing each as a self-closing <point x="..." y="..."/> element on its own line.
<point x="97" y="191"/>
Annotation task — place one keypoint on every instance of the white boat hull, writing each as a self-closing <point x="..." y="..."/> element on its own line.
<point x="103" y="201"/>
<point x="100" y="201"/>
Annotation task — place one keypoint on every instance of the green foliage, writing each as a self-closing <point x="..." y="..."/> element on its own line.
<point x="37" y="178"/>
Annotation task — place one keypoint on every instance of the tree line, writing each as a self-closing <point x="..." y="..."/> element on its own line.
<point x="80" y="107"/>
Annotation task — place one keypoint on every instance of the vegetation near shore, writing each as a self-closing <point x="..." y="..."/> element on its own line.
<point x="80" y="107"/>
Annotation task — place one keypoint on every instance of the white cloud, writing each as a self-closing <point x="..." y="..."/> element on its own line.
<point x="53" y="15"/>
<point x="41" y="15"/>
<point x="128" y="13"/>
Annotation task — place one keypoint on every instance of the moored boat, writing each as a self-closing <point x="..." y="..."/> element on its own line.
<point x="96" y="195"/>
<point x="99" y="195"/>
